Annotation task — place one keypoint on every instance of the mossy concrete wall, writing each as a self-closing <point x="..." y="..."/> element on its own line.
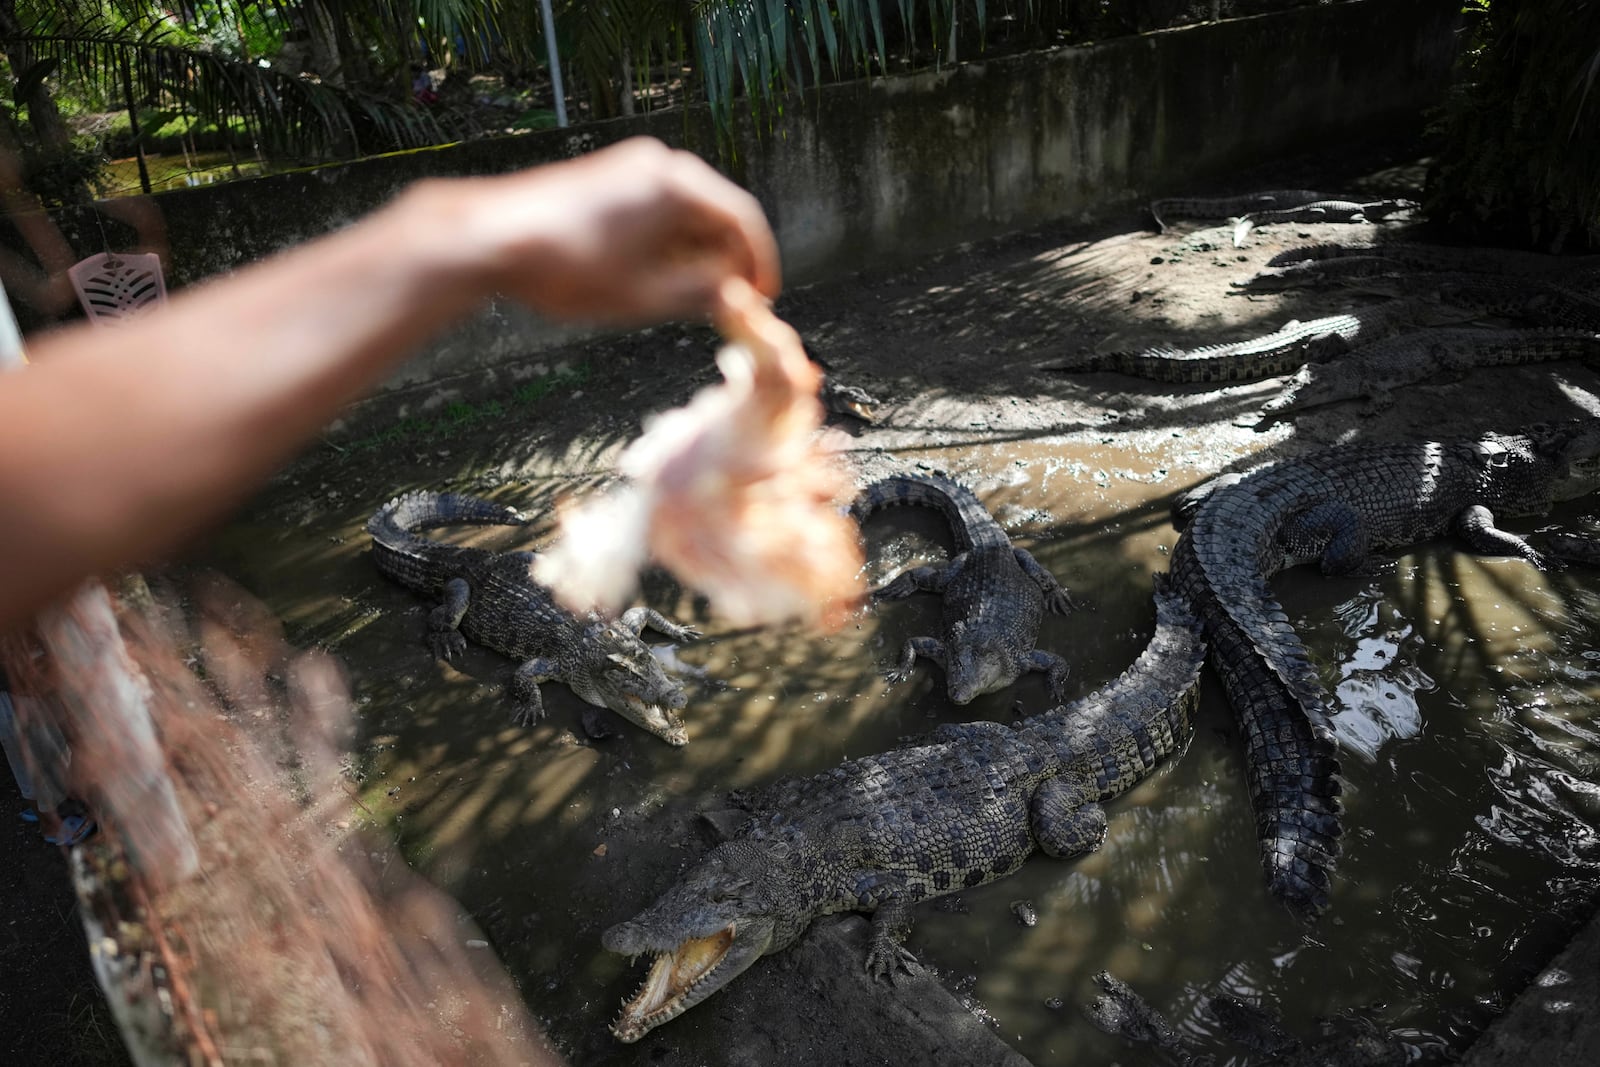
<point x="875" y="172"/>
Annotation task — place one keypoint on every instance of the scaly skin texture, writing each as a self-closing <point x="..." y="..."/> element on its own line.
<point x="1439" y="299"/>
<point x="490" y="598"/>
<point x="1316" y="264"/>
<point x="1350" y="211"/>
<point x="994" y="594"/>
<point x="881" y="833"/>
<point x="1283" y="351"/>
<point x="1533" y="300"/>
<point x="1336" y="506"/>
<point x="1228" y="207"/>
<point x="1426" y="257"/>
<point x="1374" y="371"/>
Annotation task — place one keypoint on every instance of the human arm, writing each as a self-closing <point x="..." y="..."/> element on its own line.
<point x="117" y="444"/>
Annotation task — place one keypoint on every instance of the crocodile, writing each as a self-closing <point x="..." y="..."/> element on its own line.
<point x="1285" y="350"/>
<point x="1453" y="258"/>
<point x="994" y="594"/>
<point x="1313" y="264"/>
<point x="1374" y="371"/>
<point x="1430" y="299"/>
<point x="1336" y="506"/>
<point x="842" y="398"/>
<point x="1574" y="548"/>
<point x="1229" y="207"/>
<point x="1537" y="301"/>
<point x="880" y="833"/>
<point x="1321" y="211"/>
<point x="491" y="598"/>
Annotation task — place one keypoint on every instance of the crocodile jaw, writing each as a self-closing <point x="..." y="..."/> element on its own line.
<point x="684" y="976"/>
<point x="655" y="718"/>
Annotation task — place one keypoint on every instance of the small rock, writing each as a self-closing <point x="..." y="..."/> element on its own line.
<point x="1023" y="910"/>
<point x="1054" y="1003"/>
<point x="600" y="849"/>
<point x="596" y="726"/>
<point x="1157" y="260"/>
<point x="477" y="943"/>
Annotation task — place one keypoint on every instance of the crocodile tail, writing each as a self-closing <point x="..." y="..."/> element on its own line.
<point x="1147" y="712"/>
<point x="399" y="520"/>
<point x="1291" y="759"/>
<point x="969" y="521"/>
<point x="1292" y="771"/>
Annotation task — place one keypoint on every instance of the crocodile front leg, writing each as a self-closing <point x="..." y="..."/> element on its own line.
<point x="886" y="956"/>
<point x="634" y="620"/>
<point x="1066" y="817"/>
<point x="527" y="706"/>
<point x="927" y="648"/>
<point x="1476" y="526"/>
<point x="444" y="636"/>
<point x="928" y="579"/>
<point x="1055" y="669"/>
<point x="1056" y="598"/>
<point x="1336" y="533"/>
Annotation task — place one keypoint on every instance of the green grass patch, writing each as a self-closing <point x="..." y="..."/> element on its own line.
<point x="461" y="416"/>
<point x="539" y="118"/>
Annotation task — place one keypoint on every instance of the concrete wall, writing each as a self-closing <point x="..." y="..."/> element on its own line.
<point x="874" y="172"/>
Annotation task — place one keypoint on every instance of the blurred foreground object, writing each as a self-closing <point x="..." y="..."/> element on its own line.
<point x="265" y="932"/>
<point x="732" y="493"/>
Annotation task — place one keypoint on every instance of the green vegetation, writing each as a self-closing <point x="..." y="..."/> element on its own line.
<point x="1519" y="162"/>
<point x="294" y="82"/>
<point x="462" y="416"/>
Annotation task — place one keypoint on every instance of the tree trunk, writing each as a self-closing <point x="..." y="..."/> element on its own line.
<point x="52" y="140"/>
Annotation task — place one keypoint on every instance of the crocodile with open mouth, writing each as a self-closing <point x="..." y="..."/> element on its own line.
<point x="966" y="806"/>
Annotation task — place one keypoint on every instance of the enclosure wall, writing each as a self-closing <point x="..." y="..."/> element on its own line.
<point x="877" y="172"/>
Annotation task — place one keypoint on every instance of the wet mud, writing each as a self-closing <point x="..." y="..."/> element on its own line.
<point x="1466" y="688"/>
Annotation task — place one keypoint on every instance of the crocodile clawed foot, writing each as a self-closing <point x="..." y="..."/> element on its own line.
<point x="1060" y="602"/>
<point x="886" y="959"/>
<point x="447" y="646"/>
<point x="896" y="675"/>
<point x="526" y="714"/>
<point x="1546" y="562"/>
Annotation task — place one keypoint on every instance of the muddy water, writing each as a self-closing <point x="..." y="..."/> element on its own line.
<point x="1466" y="693"/>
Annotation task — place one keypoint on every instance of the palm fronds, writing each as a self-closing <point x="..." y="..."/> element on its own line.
<point x="1519" y="161"/>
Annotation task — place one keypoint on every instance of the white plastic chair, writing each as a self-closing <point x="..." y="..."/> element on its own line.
<point x="114" y="287"/>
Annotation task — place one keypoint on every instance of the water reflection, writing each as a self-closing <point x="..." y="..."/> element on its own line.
<point x="1375" y="697"/>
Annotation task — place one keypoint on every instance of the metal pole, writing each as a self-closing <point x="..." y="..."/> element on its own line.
<point x="555" y="62"/>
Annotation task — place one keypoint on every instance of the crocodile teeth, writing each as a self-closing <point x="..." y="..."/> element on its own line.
<point x="673" y="976"/>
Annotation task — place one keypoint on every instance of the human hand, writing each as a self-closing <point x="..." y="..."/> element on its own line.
<point x="633" y="233"/>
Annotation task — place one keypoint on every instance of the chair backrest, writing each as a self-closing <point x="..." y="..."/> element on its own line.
<point x="116" y="286"/>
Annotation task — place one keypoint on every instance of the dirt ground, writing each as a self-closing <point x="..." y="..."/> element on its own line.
<point x="957" y="347"/>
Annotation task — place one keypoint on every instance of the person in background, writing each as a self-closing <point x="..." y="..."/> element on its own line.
<point x="115" y="446"/>
<point x="39" y="778"/>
